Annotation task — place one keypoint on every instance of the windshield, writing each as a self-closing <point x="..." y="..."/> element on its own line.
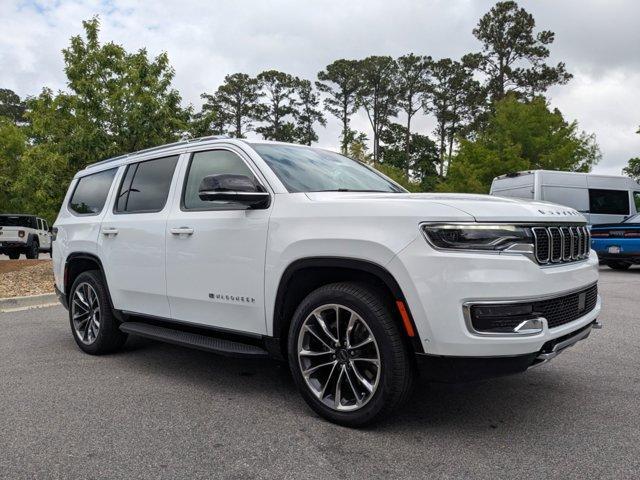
<point x="306" y="169"/>
<point x="17" y="221"/>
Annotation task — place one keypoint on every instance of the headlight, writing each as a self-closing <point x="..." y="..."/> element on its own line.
<point x="478" y="237"/>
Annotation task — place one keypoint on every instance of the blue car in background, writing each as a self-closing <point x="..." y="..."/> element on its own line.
<point x="618" y="244"/>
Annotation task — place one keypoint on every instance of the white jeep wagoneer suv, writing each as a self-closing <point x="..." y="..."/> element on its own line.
<point x="259" y="249"/>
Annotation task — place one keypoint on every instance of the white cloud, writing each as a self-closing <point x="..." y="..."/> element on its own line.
<point x="206" y="40"/>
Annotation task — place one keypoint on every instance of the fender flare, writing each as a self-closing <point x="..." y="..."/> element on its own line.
<point x="365" y="266"/>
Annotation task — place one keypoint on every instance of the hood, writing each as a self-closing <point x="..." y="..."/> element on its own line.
<point x="484" y="208"/>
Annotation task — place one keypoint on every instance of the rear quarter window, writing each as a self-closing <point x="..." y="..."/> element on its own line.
<point x="90" y="193"/>
<point x="145" y="185"/>
<point x="611" y="202"/>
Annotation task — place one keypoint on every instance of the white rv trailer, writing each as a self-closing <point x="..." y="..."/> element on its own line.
<point x="600" y="198"/>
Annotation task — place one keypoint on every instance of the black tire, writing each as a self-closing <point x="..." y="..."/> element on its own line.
<point x="33" y="251"/>
<point x="109" y="337"/>
<point x="619" y="265"/>
<point x="397" y="372"/>
<point x="13" y="255"/>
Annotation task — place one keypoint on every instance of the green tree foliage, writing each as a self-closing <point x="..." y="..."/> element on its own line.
<point x="307" y="114"/>
<point x="413" y="84"/>
<point x="633" y="169"/>
<point x="520" y="136"/>
<point x="116" y="102"/>
<point x="455" y="99"/>
<point x="339" y="82"/>
<point x="12" y="146"/>
<point x="377" y="93"/>
<point x="513" y="56"/>
<point x="41" y="181"/>
<point x="279" y="106"/>
<point x="123" y="101"/>
<point x="11" y="106"/>
<point x="420" y="161"/>
<point x="357" y="147"/>
<point x="232" y="108"/>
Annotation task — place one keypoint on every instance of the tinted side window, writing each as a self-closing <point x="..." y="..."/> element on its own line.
<point x="91" y="192"/>
<point x="636" y="199"/>
<point x="613" y="202"/>
<point x="145" y="186"/>
<point x="203" y="164"/>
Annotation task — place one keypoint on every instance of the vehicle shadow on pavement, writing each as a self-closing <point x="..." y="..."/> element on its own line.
<point x="515" y="400"/>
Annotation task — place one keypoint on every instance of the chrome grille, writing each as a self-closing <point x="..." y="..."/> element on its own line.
<point x="561" y="244"/>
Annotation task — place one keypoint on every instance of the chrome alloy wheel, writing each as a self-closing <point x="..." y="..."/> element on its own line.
<point x="85" y="312"/>
<point x="339" y="357"/>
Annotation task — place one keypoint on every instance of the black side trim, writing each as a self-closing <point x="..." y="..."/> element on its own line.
<point x="194" y="340"/>
<point x="338" y="262"/>
<point x="62" y="298"/>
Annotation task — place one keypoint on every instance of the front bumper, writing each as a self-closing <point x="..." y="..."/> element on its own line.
<point x="465" y="369"/>
<point x="437" y="285"/>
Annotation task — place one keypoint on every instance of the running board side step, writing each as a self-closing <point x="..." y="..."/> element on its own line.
<point x="220" y="346"/>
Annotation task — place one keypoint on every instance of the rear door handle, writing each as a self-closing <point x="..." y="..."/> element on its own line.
<point x="109" y="231"/>
<point x="182" y="231"/>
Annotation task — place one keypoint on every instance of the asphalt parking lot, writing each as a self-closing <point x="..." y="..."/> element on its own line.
<point x="159" y="411"/>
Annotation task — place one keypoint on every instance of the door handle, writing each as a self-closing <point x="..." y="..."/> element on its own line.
<point x="182" y="231"/>
<point x="109" y="231"/>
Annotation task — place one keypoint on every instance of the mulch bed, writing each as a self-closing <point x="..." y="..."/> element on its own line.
<point x="19" y="278"/>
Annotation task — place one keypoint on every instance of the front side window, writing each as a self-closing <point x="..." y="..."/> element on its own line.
<point x="145" y="186"/>
<point x="204" y="164"/>
<point x="91" y="192"/>
<point x="636" y="199"/>
<point x="610" y="202"/>
<point x="306" y="169"/>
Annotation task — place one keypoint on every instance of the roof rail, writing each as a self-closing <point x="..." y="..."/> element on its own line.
<point x="160" y="147"/>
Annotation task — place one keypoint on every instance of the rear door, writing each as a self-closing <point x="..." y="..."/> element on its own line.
<point x="43" y="235"/>
<point x="132" y="237"/>
<point x="216" y="250"/>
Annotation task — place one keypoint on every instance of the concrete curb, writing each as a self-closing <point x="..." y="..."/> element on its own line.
<point x="32" y="301"/>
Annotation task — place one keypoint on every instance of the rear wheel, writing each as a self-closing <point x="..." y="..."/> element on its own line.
<point x="33" y="251"/>
<point x="619" y="265"/>
<point x="14" y="255"/>
<point x="347" y="355"/>
<point x="94" y="327"/>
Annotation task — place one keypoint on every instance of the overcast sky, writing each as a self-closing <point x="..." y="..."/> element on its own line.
<point x="599" y="40"/>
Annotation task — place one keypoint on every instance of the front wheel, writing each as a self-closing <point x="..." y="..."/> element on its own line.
<point x="94" y="327"/>
<point x="347" y="355"/>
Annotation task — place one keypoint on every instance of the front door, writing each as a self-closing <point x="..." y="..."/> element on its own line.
<point x="216" y="250"/>
<point x="132" y="238"/>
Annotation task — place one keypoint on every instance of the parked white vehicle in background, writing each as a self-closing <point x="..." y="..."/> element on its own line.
<point x="23" y="234"/>
<point x="600" y="198"/>
<point x="260" y="248"/>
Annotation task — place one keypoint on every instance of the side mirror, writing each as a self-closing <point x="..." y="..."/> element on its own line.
<point x="233" y="188"/>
